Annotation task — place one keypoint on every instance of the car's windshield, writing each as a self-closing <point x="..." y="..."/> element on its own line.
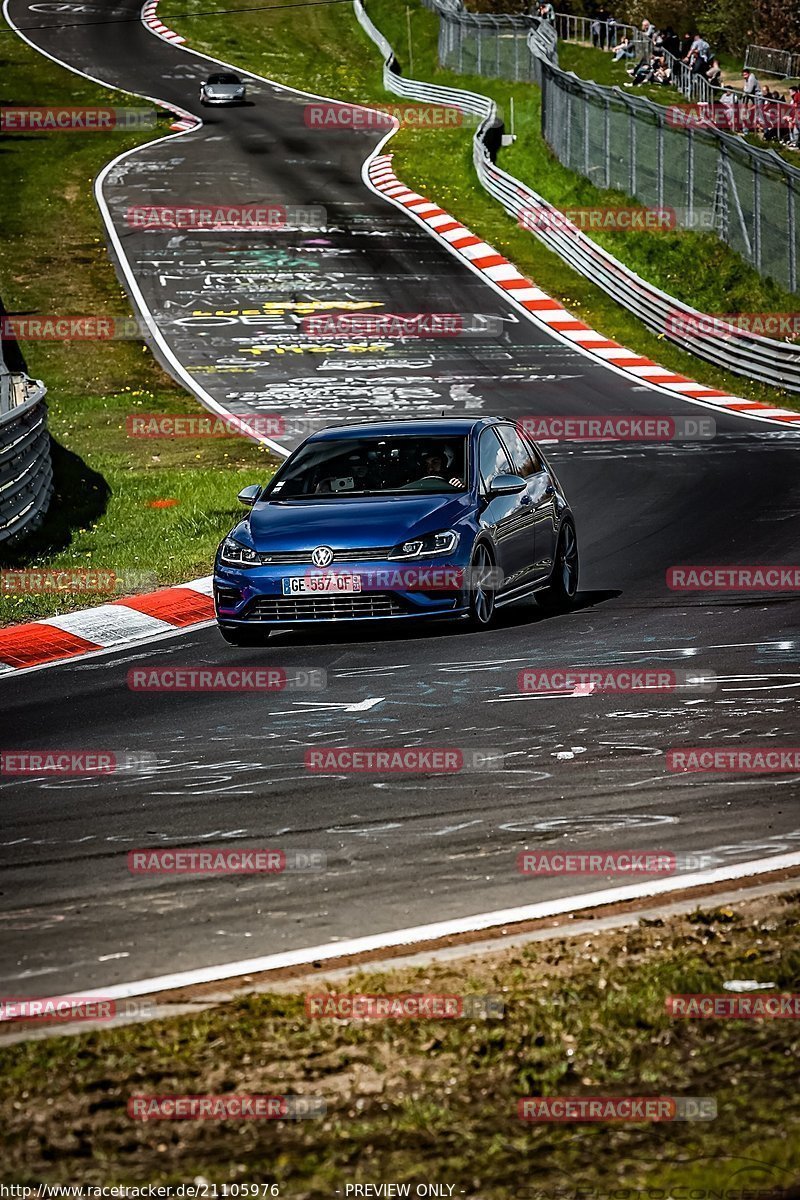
<point x="370" y="465"/>
<point x="223" y="79"/>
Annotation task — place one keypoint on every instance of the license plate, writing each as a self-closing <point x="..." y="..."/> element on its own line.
<point x="303" y="585"/>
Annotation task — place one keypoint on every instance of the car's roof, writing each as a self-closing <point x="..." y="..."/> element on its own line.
<point x="411" y="427"/>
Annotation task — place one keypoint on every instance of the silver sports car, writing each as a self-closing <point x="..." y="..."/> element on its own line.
<point x="222" y="88"/>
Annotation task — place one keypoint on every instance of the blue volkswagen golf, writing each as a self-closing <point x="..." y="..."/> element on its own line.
<point x="444" y="517"/>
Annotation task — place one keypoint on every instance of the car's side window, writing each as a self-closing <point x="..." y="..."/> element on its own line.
<point x="492" y="458"/>
<point x="523" y="456"/>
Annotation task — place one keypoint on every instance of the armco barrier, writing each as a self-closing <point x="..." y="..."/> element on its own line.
<point x="764" y="359"/>
<point x="773" y="62"/>
<point x="26" y="469"/>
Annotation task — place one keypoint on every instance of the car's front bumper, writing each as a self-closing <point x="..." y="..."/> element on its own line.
<point x="221" y="99"/>
<point x="389" y="591"/>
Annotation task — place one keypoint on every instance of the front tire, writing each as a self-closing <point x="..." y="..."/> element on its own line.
<point x="243" y="635"/>
<point x="559" y="595"/>
<point x="482" y="593"/>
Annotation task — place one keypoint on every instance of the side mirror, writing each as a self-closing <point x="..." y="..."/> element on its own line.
<point x="507" y="485"/>
<point x="249" y="495"/>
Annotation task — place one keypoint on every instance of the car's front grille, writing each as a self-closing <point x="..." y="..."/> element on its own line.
<point x="351" y="606"/>
<point x="295" y="557"/>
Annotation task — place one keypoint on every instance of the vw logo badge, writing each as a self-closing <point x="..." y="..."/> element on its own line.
<point x="322" y="556"/>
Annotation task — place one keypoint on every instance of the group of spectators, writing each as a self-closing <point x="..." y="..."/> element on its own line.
<point x="753" y="109"/>
<point x="768" y="112"/>
<point x="661" y="50"/>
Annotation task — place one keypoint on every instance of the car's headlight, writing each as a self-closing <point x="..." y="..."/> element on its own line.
<point x="425" y="547"/>
<point x="234" y="554"/>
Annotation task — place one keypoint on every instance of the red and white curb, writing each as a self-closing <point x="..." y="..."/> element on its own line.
<point x="105" y="627"/>
<point x="148" y="16"/>
<point x="523" y="292"/>
<point x="158" y="27"/>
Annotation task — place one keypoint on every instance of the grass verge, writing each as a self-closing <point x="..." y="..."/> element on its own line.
<point x="53" y="260"/>
<point x="323" y="50"/>
<point x="417" y="1100"/>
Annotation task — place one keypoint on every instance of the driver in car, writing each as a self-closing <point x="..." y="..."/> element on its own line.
<point x="436" y="466"/>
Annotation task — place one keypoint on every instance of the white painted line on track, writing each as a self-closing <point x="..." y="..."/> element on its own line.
<point x="436" y="930"/>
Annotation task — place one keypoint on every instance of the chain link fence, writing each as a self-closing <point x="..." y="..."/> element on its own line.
<point x="712" y="180"/>
<point x="748" y="196"/>
<point x="479" y="44"/>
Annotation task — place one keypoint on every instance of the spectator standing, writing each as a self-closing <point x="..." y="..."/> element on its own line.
<point x="597" y="33"/>
<point x="793" y="117"/>
<point x="771" y="115"/>
<point x="752" y="102"/>
<point x="699" y="55"/>
<point x="752" y="88"/>
<point x="547" y="12"/>
<point x="672" y="43"/>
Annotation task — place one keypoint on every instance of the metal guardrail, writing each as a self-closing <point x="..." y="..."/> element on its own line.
<point x="773" y="62"/>
<point x="26" y="469"/>
<point x="752" y="356"/>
